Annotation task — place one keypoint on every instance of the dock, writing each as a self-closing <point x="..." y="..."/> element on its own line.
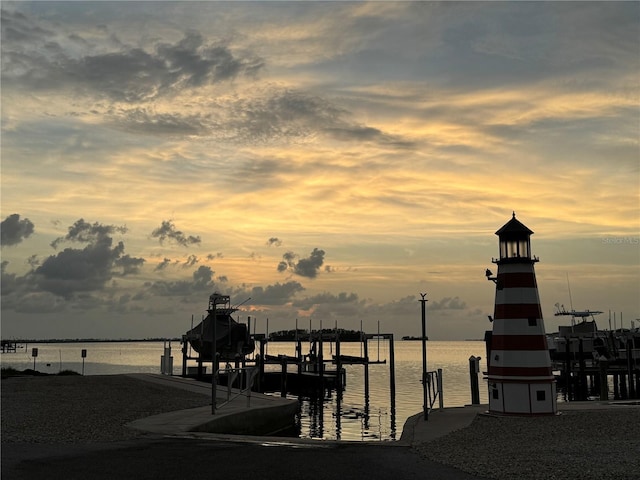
<point x="310" y="374"/>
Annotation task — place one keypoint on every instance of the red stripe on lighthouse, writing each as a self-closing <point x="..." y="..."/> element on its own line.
<point x="517" y="310"/>
<point x="517" y="280"/>
<point x="519" y="342"/>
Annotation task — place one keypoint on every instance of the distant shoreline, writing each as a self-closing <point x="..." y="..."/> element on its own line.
<point x="89" y="340"/>
<point x="22" y="341"/>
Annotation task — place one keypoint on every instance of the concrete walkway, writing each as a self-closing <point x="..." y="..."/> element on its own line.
<point x="236" y="412"/>
<point x="264" y="415"/>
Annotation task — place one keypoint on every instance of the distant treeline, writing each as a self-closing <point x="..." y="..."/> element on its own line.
<point x="301" y="334"/>
<point x="87" y="340"/>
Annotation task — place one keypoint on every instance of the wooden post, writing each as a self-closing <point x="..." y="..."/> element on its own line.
<point x="623" y="386"/>
<point x="473" y="378"/>
<point x="283" y="378"/>
<point x="604" y="384"/>
<point x="366" y="370"/>
<point x="184" y="355"/>
<point x="440" y="390"/>
<point x="338" y="389"/>
<point x="392" y="370"/>
<point x="567" y="369"/>
<point x="321" y="361"/>
<point x="261" y="367"/>
<point x="338" y="367"/>
<point x="632" y="393"/>
<point x="582" y="378"/>
<point x="392" y="380"/>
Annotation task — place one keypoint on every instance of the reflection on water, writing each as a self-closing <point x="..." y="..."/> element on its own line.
<point x="330" y="418"/>
<point x="349" y="416"/>
<point x="353" y="416"/>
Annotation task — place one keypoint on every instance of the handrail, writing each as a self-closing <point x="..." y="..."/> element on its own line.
<point x="249" y="375"/>
<point x="434" y="389"/>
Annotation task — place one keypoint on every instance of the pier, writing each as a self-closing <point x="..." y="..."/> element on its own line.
<point x="586" y="372"/>
<point x="10" y="346"/>
<point x="310" y="373"/>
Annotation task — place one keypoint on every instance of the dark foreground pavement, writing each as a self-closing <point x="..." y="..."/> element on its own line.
<point x="203" y="458"/>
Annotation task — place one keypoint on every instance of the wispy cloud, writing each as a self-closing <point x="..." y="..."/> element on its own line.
<point x="399" y="136"/>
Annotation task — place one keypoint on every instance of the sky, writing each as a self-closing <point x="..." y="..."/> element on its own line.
<point x="322" y="163"/>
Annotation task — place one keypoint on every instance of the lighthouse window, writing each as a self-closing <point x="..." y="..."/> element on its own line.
<point x="533" y="322"/>
<point x="540" y="395"/>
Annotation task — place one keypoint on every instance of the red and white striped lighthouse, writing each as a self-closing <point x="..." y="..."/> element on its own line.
<point x="520" y="378"/>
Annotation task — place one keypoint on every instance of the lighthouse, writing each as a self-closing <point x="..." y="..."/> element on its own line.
<point x="519" y="376"/>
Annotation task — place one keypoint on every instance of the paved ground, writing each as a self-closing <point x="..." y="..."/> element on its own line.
<point x="200" y="458"/>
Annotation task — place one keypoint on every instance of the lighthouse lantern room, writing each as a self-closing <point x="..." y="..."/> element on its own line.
<point x="519" y="372"/>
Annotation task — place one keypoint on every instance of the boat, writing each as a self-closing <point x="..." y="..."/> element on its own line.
<point x="582" y="338"/>
<point x="233" y="340"/>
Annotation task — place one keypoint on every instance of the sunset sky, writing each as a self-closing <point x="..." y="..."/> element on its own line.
<point x="328" y="160"/>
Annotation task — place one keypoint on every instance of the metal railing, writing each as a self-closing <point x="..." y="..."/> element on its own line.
<point x="434" y="389"/>
<point x="245" y="376"/>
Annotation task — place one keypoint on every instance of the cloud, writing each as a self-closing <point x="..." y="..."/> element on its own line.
<point x="163" y="264"/>
<point x="191" y="261"/>
<point x="42" y="59"/>
<point x="13" y="230"/>
<point x="305" y="267"/>
<point x="278" y="294"/>
<point x="168" y="231"/>
<point x="10" y="281"/>
<point x="201" y="281"/>
<point x="274" y="241"/>
<point x="145" y="120"/>
<point x="327" y="299"/>
<point x="287" y="114"/>
<point x="84" y="232"/>
<point x="447" y="303"/>
<point x="76" y="270"/>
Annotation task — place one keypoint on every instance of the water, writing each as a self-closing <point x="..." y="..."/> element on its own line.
<point x="350" y="417"/>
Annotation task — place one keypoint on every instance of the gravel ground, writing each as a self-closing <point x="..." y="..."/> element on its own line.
<point x="84" y="409"/>
<point x="591" y="444"/>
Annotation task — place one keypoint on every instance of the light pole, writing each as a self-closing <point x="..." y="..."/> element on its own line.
<point x="425" y="408"/>
<point x="214" y="363"/>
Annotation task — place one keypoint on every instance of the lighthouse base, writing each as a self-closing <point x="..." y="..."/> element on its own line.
<point x="513" y="398"/>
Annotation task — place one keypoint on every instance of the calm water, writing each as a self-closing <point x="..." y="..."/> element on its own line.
<point x="355" y="419"/>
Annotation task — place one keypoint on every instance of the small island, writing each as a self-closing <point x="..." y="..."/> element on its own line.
<point x="303" y="335"/>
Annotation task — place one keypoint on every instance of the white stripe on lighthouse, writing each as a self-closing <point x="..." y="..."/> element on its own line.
<point x="519" y="358"/>
<point x="517" y="326"/>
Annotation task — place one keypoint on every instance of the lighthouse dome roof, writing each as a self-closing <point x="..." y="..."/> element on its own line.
<point x="514" y="227"/>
